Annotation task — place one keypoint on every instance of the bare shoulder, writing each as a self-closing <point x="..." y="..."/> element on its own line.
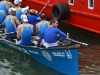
<point x="10" y="4"/>
<point x="14" y="17"/>
<point x="20" y="26"/>
<point x="37" y="25"/>
<point x="48" y="22"/>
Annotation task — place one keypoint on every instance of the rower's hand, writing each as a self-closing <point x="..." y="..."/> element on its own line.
<point x="59" y="43"/>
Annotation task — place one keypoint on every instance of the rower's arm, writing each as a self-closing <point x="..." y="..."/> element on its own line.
<point x="32" y="28"/>
<point x="4" y="22"/>
<point x="10" y="4"/>
<point x="18" y="31"/>
<point x="62" y="34"/>
<point x="37" y="18"/>
<point x="17" y="21"/>
<point x="4" y="13"/>
<point x="37" y="28"/>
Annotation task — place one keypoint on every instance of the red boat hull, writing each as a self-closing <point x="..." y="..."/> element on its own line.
<point x="80" y="16"/>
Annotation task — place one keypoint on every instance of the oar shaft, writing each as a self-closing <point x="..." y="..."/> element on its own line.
<point x="10" y="33"/>
<point x="78" y="42"/>
<point x="7" y="33"/>
<point x="85" y="44"/>
<point x="44" y="7"/>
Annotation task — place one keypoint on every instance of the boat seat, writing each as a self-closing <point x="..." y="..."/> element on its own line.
<point x="2" y="30"/>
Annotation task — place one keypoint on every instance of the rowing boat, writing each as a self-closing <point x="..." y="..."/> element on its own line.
<point x="63" y="58"/>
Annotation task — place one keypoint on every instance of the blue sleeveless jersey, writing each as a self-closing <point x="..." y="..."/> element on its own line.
<point x="18" y="14"/>
<point x="2" y="18"/>
<point x="26" y="35"/>
<point x="10" y="27"/>
<point x="4" y="7"/>
<point x="42" y="28"/>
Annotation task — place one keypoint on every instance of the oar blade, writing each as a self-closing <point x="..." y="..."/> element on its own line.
<point x="85" y="44"/>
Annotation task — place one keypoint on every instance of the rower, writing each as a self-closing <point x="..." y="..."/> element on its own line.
<point x="2" y="18"/>
<point x="24" y="31"/>
<point x="41" y="26"/>
<point x="10" y="23"/>
<point x="20" y="10"/>
<point x="33" y="18"/>
<point x="50" y="35"/>
<point x="5" y="5"/>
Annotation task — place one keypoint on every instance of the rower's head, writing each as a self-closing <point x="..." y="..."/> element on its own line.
<point x="54" y="22"/>
<point x="12" y="11"/>
<point x="24" y="18"/>
<point x="32" y="12"/>
<point x="43" y="16"/>
<point x="17" y="2"/>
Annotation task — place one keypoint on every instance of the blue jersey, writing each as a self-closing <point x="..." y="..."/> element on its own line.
<point x="42" y="27"/>
<point x="2" y="18"/>
<point x="10" y="27"/>
<point x="26" y="35"/>
<point x="50" y="35"/>
<point x="33" y="19"/>
<point x="18" y="14"/>
<point x="4" y="7"/>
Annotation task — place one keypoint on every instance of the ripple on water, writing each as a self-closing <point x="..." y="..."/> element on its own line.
<point x="89" y="62"/>
<point x="15" y="63"/>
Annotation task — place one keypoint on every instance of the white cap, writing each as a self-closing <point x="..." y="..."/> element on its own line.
<point x="24" y="10"/>
<point x="17" y="2"/>
<point x="12" y="9"/>
<point x="24" y="18"/>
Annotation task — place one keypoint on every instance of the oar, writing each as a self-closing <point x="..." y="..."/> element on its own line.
<point x="7" y="33"/>
<point x="78" y="42"/>
<point x="44" y="7"/>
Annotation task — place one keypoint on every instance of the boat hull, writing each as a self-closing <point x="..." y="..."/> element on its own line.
<point x="81" y="17"/>
<point x="62" y="60"/>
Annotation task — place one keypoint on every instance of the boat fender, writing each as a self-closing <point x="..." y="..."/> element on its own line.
<point x="60" y="11"/>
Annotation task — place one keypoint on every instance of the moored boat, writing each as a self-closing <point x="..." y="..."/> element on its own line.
<point x="62" y="58"/>
<point x="80" y="13"/>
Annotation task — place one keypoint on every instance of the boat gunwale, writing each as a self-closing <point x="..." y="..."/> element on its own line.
<point x="41" y="48"/>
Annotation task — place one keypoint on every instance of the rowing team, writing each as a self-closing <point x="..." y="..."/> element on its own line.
<point x="27" y="23"/>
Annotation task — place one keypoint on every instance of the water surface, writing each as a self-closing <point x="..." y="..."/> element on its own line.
<point x="12" y="62"/>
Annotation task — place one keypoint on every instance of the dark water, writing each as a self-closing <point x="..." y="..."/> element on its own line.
<point x="13" y="62"/>
<point x="89" y="61"/>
